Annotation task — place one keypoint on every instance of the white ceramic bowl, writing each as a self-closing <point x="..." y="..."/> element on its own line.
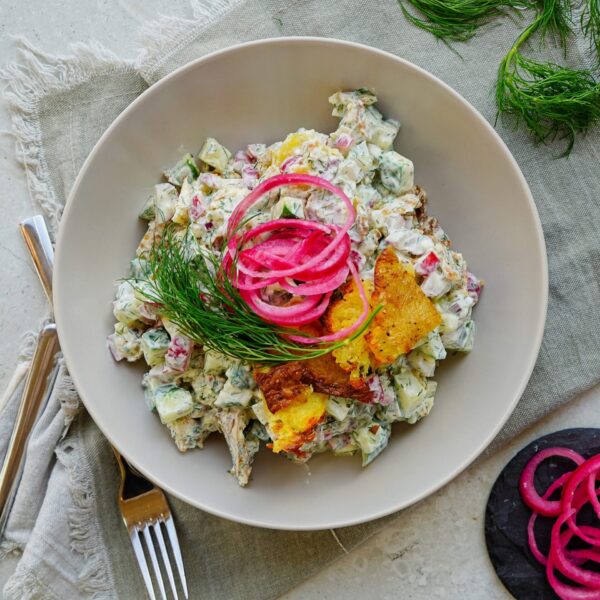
<point x="258" y="92"/>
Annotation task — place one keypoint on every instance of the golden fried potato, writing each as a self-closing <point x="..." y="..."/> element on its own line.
<point x="354" y="356"/>
<point x="407" y="314"/>
<point x="286" y="384"/>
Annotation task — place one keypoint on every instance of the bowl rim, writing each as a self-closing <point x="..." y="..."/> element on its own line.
<point x="61" y="315"/>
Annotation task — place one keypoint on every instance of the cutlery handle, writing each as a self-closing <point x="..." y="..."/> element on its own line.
<point x="37" y="238"/>
<point x="32" y="401"/>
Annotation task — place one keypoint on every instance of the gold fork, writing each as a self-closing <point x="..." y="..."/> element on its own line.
<point x="144" y="509"/>
<point x="143" y="505"/>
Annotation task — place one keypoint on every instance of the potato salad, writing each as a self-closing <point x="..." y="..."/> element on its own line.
<point x="325" y="239"/>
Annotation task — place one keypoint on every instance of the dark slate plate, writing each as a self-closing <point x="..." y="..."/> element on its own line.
<point x="506" y="516"/>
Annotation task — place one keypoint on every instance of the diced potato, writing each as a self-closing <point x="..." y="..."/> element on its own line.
<point x="124" y="343"/>
<point x="165" y="201"/>
<point x="186" y="168"/>
<point x="128" y="309"/>
<point x="155" y="343"/>
<point x="172" y="402"/>
<point x="423" y="363"/>
<point x="214" y="154"/>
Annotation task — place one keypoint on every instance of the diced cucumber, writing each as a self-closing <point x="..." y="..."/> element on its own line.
<point x="214" y="154"/>
<point x="338" y="408"/>
<point x="147" y="212"/>
<point x="421" y="362"/>
<point x="240" y="376"/>
<point x="390" y="413"/>
<point x="151" y="381"/>
<point x="186" y="168"/>
<point x="434" y="346"/>
<point x="372" y="439"/>
<point x="343" y="445"/>
<point x="207" y="387"/>
<point x="461" y="339"/>
<point x="415" y="395"/>
<point x="155" y="343"/>
<point x="396" y="172"/>
<point x="288" y="207"/>
<point x="361" y="155"/>
<point x="233" y="396"/>
<point x="257" y="429"/>
<point x="384" y="133"/>
<point x="172" y="402"/>
<point x="138" y="268"/>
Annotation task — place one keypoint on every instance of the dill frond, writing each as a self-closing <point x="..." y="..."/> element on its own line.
<point x="552" y="101"/>
<point x="590" y="25"/>
<point x="457" y="20"/>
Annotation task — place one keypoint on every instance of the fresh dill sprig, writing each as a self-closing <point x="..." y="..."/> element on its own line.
<point x="552" y="101"/>
<point x="590" y="25"/>
<point x="457" y="20"/>
<point x="196" y="294"/>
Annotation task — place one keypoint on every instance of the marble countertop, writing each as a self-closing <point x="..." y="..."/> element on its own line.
<point x="435" y="549"/>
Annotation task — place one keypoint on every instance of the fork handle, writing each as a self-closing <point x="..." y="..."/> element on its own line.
<point x="32" y="401"/>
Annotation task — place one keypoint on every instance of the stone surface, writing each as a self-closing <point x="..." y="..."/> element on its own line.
<point x="436" y="549"/>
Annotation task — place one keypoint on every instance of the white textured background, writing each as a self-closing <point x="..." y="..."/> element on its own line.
<point x="434" y="550"/>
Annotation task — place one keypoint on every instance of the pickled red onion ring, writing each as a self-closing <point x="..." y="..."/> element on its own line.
<point x="578" y="489"/>
<point x="306" y="259"/>
<point x="342" y="333"/>
<point x="537" y="554"/>
<point x="547" y="508"/>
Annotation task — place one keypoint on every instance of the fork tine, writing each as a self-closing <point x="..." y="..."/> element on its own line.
<point x="141" y="559"/>
<point x="165" y="558"/>
<point x="176" y="552"/>
<point x="155" y="567"/>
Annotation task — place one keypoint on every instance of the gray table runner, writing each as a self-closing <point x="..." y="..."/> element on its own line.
<point x="74" y="544"/>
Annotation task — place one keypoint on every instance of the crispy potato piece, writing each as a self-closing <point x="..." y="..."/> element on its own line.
<point x="281" y="385"/>
<point x="343" y="312"/>
<point x="284" y="384"/>
<point x="407" y="314"/>
<point x="326" y="376"/>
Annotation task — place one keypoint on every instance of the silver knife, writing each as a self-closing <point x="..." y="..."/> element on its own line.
<point x="42" y="369"/>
